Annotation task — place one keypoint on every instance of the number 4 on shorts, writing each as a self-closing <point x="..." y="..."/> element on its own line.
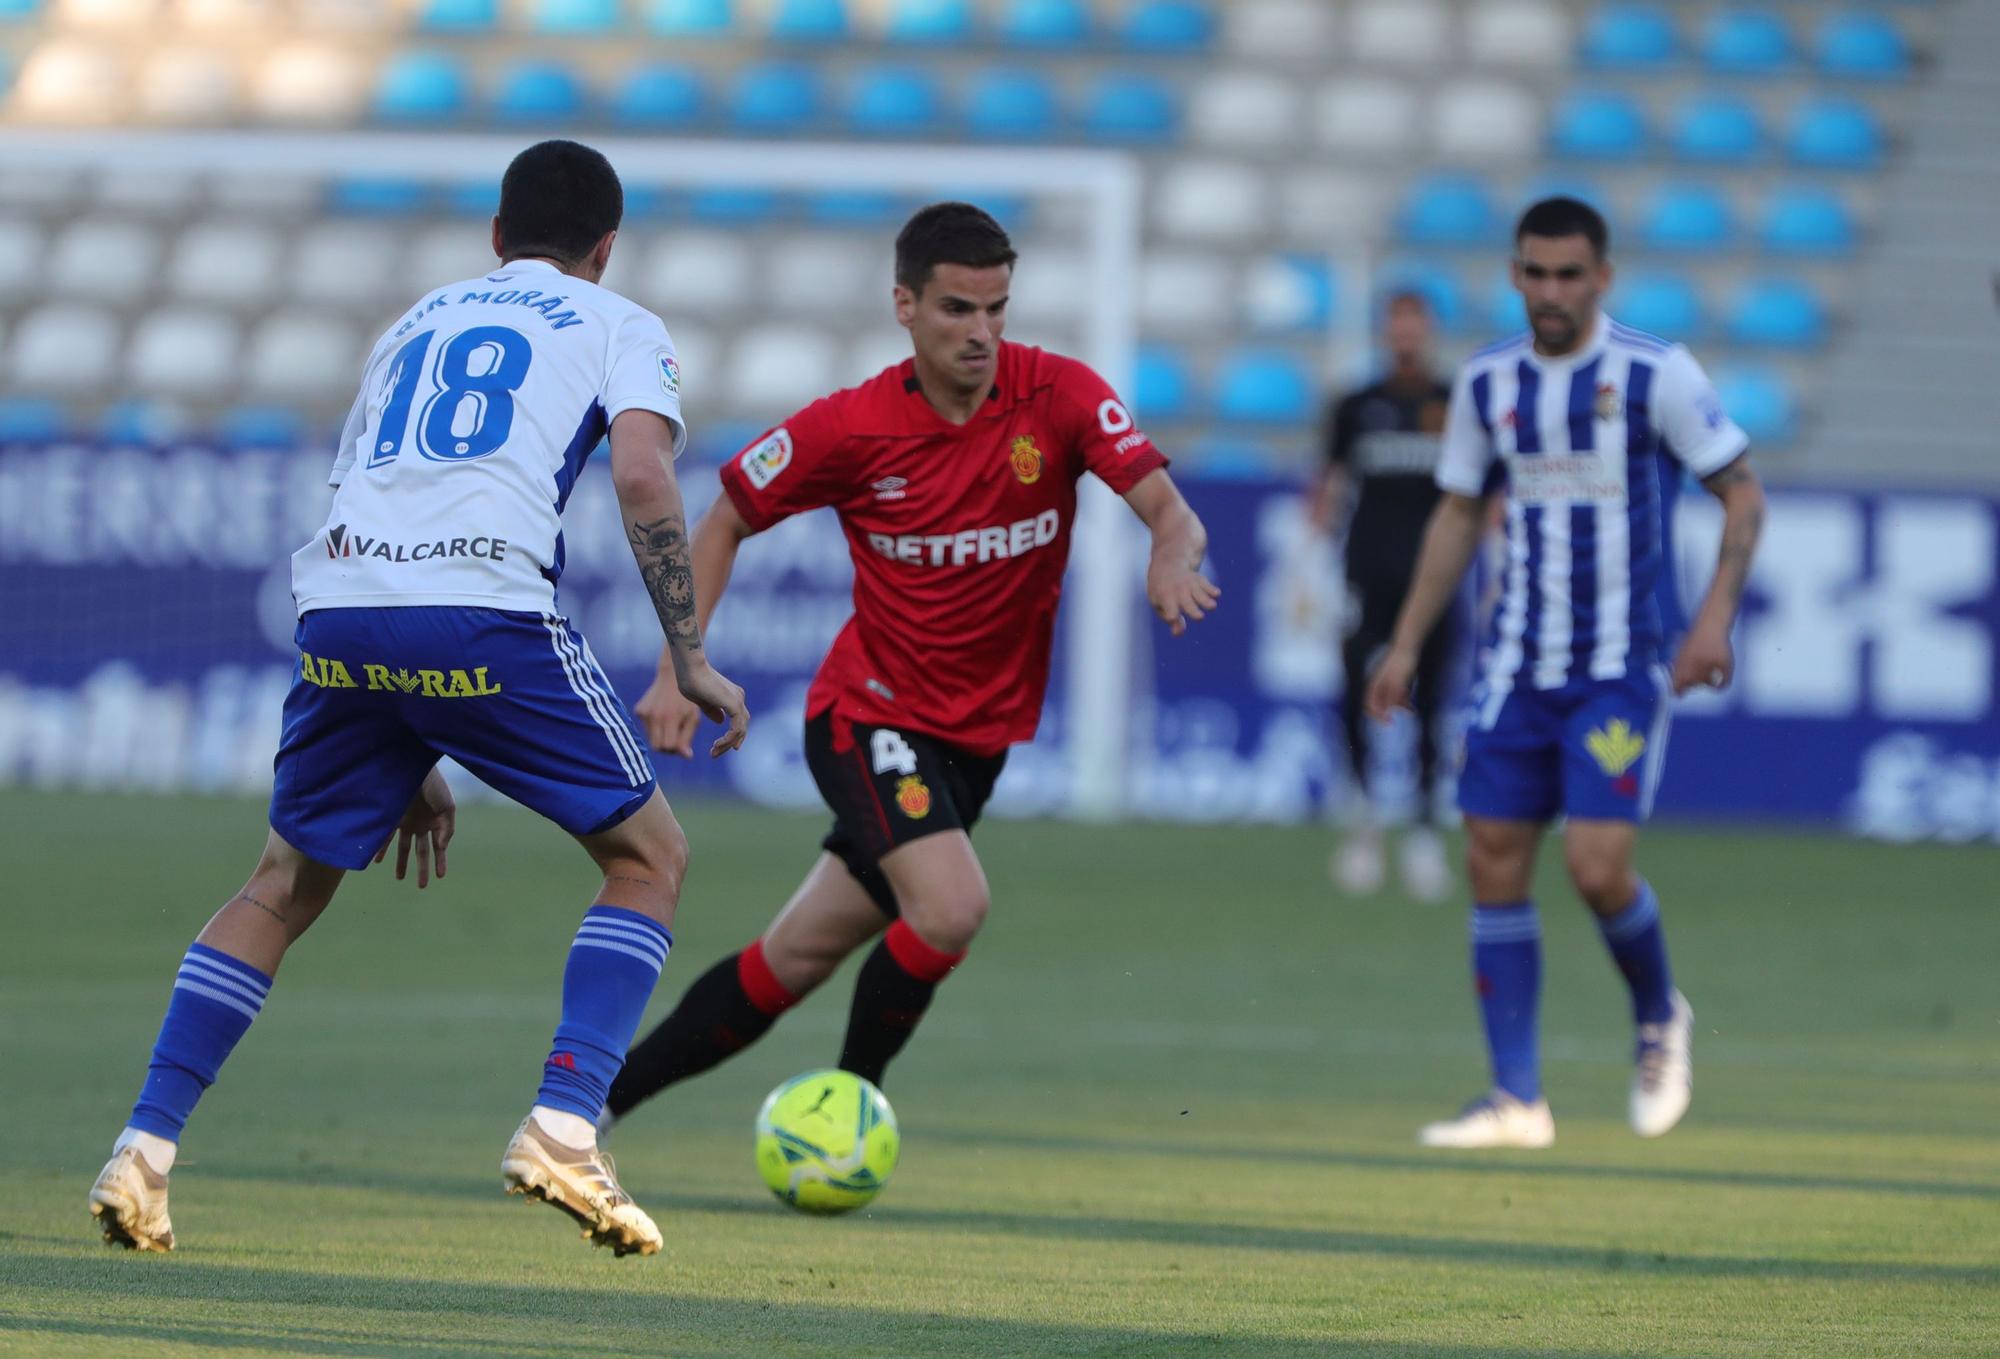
<point x="890" y="751"/>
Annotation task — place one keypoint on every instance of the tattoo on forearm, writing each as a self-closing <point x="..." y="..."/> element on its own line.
<point x="267" y="909"/>
<point x="610" y="878"/>
<point x="662" y="549"/>
<point x="1739" y="544"/>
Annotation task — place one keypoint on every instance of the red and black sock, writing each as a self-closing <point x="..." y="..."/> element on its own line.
<point x="890" y="997"/>
<point x="728" y="1008"/>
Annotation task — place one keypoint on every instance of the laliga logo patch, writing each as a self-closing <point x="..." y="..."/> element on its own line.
<point x="913" y="799"/>
<point x="1615" y="746"/>
<point x="1027" y="460"/>
<point x="670" y="374"/>
<point x="1610" y="405"/>
<point x="762" y="461"/>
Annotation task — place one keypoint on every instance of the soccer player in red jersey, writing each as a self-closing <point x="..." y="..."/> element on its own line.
<point x="954" y="474"/>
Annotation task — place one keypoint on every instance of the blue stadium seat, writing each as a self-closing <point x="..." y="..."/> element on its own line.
<point x="1666" y="305"/>
<point x="1017" y="106"/>
<point x="1746" y="42"/>
<point x="690" y="18"/>
<point x="1450" y="209"/>
<point x="1168" y="26"/>
<point x="137" y="420"/>
<point x="1717" y="128"/>
<point x="588" y="18"/>
<point x="811" y="21"/>
<point x="538" y="92"/>
<point x="1264" y="387"/>
<point x="1502" y="311"/>
<point x="1163" y="386"/>
<point x="721" y="206"/>
<point x="472" y="198"/>
<point x="1687" y="217"/>
<point x="1437" y="285"/>
<point x="1128" y="107"/>
<point x="895" y="101"/>
<point x="854" y="208"/>
<point x="1865" y="46"/>
<point x="13" y="11"/>
<point x="1761" y="401"/>
<point x="658" y="95"/>
<point x="276" y="427"/>
<point x="647" y="202"/>
<point x="930" y="21"/>
<point x="459" y="16"/>
<point x="422" y="87"/>
<point x="1599" y="125"/>
<point x="1807" y="221"/>
<point x="1045" y="23"/>
<point x="774" y="97"/>
<point x="1290" y="293"/>
<point x="1627" y="37"/>
<point x="1778" y="313"/>
<point x="378" y="197"/>
<point x="32" y="417"/>
<point x="1835" y="133"/>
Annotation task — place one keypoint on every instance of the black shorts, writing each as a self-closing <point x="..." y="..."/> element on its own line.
<point x="888" y="787"/>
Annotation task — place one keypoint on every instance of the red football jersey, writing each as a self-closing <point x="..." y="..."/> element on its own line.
<point x="959" y="535"/>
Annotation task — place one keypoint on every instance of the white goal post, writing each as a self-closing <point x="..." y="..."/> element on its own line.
<point x="1098" y="698"/>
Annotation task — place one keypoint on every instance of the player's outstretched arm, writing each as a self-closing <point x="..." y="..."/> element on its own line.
<point x="1450" y="539"/>
<point x="669" y="718"/>
<point x="1174" y="583"/>
<point x="649" y="503"/>
<point x="1706" y="657"/>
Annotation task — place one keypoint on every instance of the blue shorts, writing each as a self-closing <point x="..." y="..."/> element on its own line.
<point x="381" y="694"/>
<point x="1592" y="749"/>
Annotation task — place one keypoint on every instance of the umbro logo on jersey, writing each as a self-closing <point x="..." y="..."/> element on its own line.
<point x="890" y="488"/>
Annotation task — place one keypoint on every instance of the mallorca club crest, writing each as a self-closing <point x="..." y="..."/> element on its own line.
<point x="1610" y="401"/>
<point x="1027" y="460"/>
<point x="913" y="797"/>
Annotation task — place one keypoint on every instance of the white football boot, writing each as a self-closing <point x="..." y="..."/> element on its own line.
<point x="129" y="1202"/>
<point x="1495" y="1119"/>
<point x="1663" y="1074"/>
<point x="1423" y="867"/>
<point x="1358" y="867"/>
<point x="582" y="1182"/>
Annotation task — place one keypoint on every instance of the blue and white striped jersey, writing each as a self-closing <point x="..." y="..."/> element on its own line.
<point x="1588" y="449"/>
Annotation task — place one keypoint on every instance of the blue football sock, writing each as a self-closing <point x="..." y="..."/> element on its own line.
<point x="1639" y="946"/>
<point x="613" y="966"/>
<point x="1507" y="970"/>
<point x="215" y="998"/>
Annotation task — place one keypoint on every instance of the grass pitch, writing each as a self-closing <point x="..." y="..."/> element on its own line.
<point x="1166" y="1109"/>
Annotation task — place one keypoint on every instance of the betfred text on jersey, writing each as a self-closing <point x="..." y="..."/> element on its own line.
<point x="997" y="543"/>
<point x="341" y="543"/>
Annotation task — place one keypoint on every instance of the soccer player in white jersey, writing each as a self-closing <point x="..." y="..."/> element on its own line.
<point x="428" y="627"/>
<point x="1584" y="427"/>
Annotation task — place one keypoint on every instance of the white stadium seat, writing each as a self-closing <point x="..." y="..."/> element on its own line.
<point x="776" y="369"/>
<point x="1416" y="32"/>
<point x="869" y="353"/>
<point x="64" y="348"/>
<point x="1211" y="200"/>
<point x="704" y="271"/>
<point x="268" y="194"/>
<point x="225" y="262"/>
<point x="699" y="353"/>
<point x="1518" y="33"/>
<point x="1332" y="208"/>
<point x="183" y="352"/>
<point x="445" y="253"/>
<point x="188" y="85"/>
<point x="105" y="260"/>
<point x="153" y="194"/>
<point x="1369" y="114"/>
<point x="1289" y="31"/>
<point x="309" y="83"/>
<point x="1486" y="118"/>
<point x="72" y="81"/>
<point x="1185" y="291"/>
<point x="305" y="354"/>
<point x="1248" y="109"/>
<point x="1051" y="287"/>
<point x="21" y="247"/>
<point x="40" y="187"/>
<point x="346" y="262"/>
<point x="826" y="276"/>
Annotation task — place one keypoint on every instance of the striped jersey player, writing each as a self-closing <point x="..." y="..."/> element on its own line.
<point x="1583" y="428"/>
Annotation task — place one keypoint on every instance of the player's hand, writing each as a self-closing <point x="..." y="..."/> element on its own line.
<point x="1180" y="593"/>
<point x="428" y="823"/>
<point x="1389" y="683"/>
<point x="711" y="691"/>
<point x="669" y="718"/>
<point x="1706" y="659"/>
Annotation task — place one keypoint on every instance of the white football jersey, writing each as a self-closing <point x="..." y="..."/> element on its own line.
<point x="475" y="415"/>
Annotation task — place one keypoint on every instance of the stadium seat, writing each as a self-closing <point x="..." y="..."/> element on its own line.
<point x="1244" y="108"/>
<point x="187" y="85"/>
<point x="741" y="206"/>
<point x="538" y="92"/>
<point x="442" y="254"/>
<point x="1518" y="33"/>
<point x="690" y="18"/>
<point x="64" y="348"/>
<point x="1835" y="134"/>
<point x="140" y="193"/>
<point x="1185" y="292"/>
<point x="774" y="97"/>
<point x="378" y="197"/>
<point x="21" y="246"/>
<point x="703" y="271"/>
<point x="142" y="421"/>
<point x="1288" y="31"/>
<point x="1777" y="313"/>
<point x="1666" y="305"/>
<point x="14" y="11"/>
<point x="279" y="428"/>
<point x="576" y="18"/>
<point x="1742" y="41"/>
<point x="1129" y="107"/>
<point x="1051" y="288"/>
<point x="72" y="80"/>
<point x="1438" y="285"/>
<point x="1761" y="401"/>
<point x="1479" y="118"/>
<point x="1011" y="105"/>
<point x="854" y="208"/>
<point x="833" y="277"/>
<point x="1289" y="293"/>
<point x="929" y="21"/>
<point x="110" y="261"/>
<point x="1167" y="26"/>
<point x="1162" y="385"/>
<point x="1717" y="128"/>
<point x="1861" y="45"/>
<point x="1807" y="221"/>
<point x="332" y="255"/>
<point x="658" y="95"/>
<point x="779" y="368"/>
<point x="422" y="87"/>
<point x="810" y="21"/>
<point x="1629" y="37"/>
<point x="225" y="262"/>
<point x="895" y="101"/>
<point x="1044" y="23"/>
<point x="1450" y="209"/>
<point x="1687" y="217"/>
<point x="32" y="419"/>
<point x="1502" y="311"/>
<point x="1599" y="125"/>
<point x="459" y="16"/>
<point x="1411" y="32"/>
<point x="1320" y="206"/>
<point x="1210" y="200"/>
<point x="1264" y="387"/>
<point x="305" y="355"/>
<point x="183" y="352"/>
<point x="264" y="194"/>
<point x="1368" y="115"/>
<point x="308" y="82"/>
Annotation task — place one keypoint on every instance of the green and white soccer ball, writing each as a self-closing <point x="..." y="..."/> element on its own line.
<point x="826" y="1141"/>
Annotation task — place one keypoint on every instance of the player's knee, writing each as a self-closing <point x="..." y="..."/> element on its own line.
<point x="951" y="920"/>
<point x="1603" y="881"/>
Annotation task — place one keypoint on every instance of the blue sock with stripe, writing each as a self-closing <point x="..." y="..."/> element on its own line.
<point x="215" y="998"/>
<point x="613" y="967"/>
<point x="1639" y="946"/>
<point x="1507" y="971"/>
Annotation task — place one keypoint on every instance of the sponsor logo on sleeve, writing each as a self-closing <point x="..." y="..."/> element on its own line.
<point x="764" y="460"/>
<point x="670" y="374"/>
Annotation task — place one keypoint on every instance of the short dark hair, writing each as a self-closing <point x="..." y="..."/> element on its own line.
<point x="557" y="200"/>
<point x="949" y="233"/>
<point x="1565" y="217"/>
<point x="1398" y="298"/>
